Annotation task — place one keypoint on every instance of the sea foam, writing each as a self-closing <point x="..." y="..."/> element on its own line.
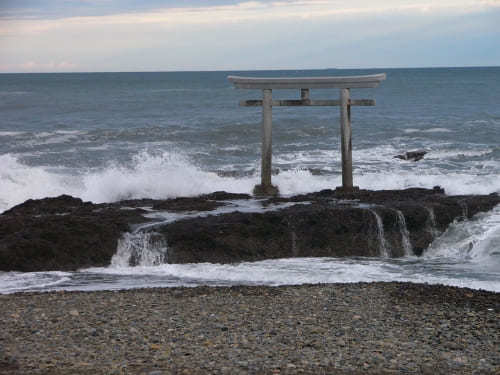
<point x="172" y="174"/>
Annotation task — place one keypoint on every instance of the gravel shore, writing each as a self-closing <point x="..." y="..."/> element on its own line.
<point x="363" y="328"/>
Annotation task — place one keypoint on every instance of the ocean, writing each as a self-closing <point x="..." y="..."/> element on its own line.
<point x="105" y="137"/>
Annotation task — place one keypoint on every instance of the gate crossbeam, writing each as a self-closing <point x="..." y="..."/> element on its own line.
<point x="308" y="103"/>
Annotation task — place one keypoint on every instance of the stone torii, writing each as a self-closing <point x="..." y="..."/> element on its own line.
<point x="267" y="85"/>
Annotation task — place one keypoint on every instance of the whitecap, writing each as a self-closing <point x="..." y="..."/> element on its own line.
<point x="437" y="130"/>
<point x="430" y="130"/>
<point x="10" y="133"/>
<point x="411" y="130"/>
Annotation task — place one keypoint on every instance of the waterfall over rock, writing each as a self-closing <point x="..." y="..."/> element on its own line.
<point x="384" y="245"/>
<point x="432" y="225"/>
<point x="405" y="235"/>
<point x="140" y="249"/>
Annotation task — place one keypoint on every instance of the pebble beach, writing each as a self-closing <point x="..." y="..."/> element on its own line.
<point x="362" y="328"/>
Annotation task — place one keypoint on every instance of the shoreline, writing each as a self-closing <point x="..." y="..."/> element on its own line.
<point x="378" y="328"/>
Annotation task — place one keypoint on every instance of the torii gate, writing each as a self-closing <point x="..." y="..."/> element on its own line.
<point x="305" y="84"/>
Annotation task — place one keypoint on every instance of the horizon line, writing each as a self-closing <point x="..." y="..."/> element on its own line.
<point x="252" y="70"/>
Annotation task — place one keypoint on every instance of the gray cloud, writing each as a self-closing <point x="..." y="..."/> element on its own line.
<point x="294" y="34"/>
<point x="42" y="9"/>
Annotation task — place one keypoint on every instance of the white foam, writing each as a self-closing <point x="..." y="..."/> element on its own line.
<point x="142" y="247"/>
<point x="300" y="181"/>
<point x="166" y="175"/>
<point x="476" y="240"/>
<point x="233" y="148"/>
<point x="411" y="130"/>
<point x="315" y="157"/>
<point x="73" y="132"/>
<point x="20" y="182"/>
<point x="57" y="137"/>
<point x="171" y="174"/>
<point x="160" y="176"/>
<point x="430" y="130"/>
<point x="437" y="130"/>
<point x="10" y="133"/>
<point x="11" y="282"/>
<point x="294" y="271"/>
<point x="449" y="154"/>
<point x="453" y="183"/>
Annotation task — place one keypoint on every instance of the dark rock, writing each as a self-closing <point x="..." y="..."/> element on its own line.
<point x="66" y="233"/>
<point x="298" y="231"/>
<point x="61" y="233"/>
<point x="412" y="155"/>
<point x="61" y="205"/>
<point x="186" y="204"/>
<point x="206" y="202"/>
<point x="225" y="196"/>
<point x="330" y="224"/>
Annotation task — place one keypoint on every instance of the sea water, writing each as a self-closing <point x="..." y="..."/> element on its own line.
<point x="104" y="137"/>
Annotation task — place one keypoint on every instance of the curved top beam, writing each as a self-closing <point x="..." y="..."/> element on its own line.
<point x="346" y="82"/>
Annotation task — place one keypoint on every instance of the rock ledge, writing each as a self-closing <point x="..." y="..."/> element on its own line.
<point x="65" y="233"/>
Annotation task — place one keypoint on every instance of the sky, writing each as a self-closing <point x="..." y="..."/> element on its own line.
<point x="154" y="35"/>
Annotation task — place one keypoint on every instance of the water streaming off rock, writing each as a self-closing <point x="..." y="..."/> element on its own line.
<point x="405" y="236"/>
<point x="465" y="210"/>
<point x="140" y="249"/>
<point x="383" y="244"/>
<point x="431" y="222"/>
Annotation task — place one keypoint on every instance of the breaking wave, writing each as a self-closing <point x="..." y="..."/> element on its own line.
<point x="171" y="174"/>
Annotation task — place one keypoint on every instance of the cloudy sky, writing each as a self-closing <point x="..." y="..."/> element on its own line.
<point x="154" y="35"/>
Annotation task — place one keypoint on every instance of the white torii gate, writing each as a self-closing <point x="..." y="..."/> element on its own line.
<point x="305" y="84"/>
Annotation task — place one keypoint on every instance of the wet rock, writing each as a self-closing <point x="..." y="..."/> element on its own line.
<point x="61" y="233"/>
<point x="301" y="230"/>
<point x="412" y="155"/>
<point x="186" y="204"/>
<point x="225" y="196"/>
<point x="206" y="202"/>
<point x="327" y="223"/>
<point x="65" y="233"/>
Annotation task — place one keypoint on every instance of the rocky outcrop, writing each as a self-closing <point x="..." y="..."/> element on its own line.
<point x="65" y="233"/>
<point x="412" y="155"/>
<point x="61" y="233"/>
<point x="328" y="223"/>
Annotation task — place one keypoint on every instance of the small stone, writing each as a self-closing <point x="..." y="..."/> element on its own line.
<point x="74" y="312"/>
<point x="460" y="360"/>
<point x="93" y="332"/>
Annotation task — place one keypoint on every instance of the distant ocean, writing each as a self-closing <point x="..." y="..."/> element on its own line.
<point x="105" y="137"/>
